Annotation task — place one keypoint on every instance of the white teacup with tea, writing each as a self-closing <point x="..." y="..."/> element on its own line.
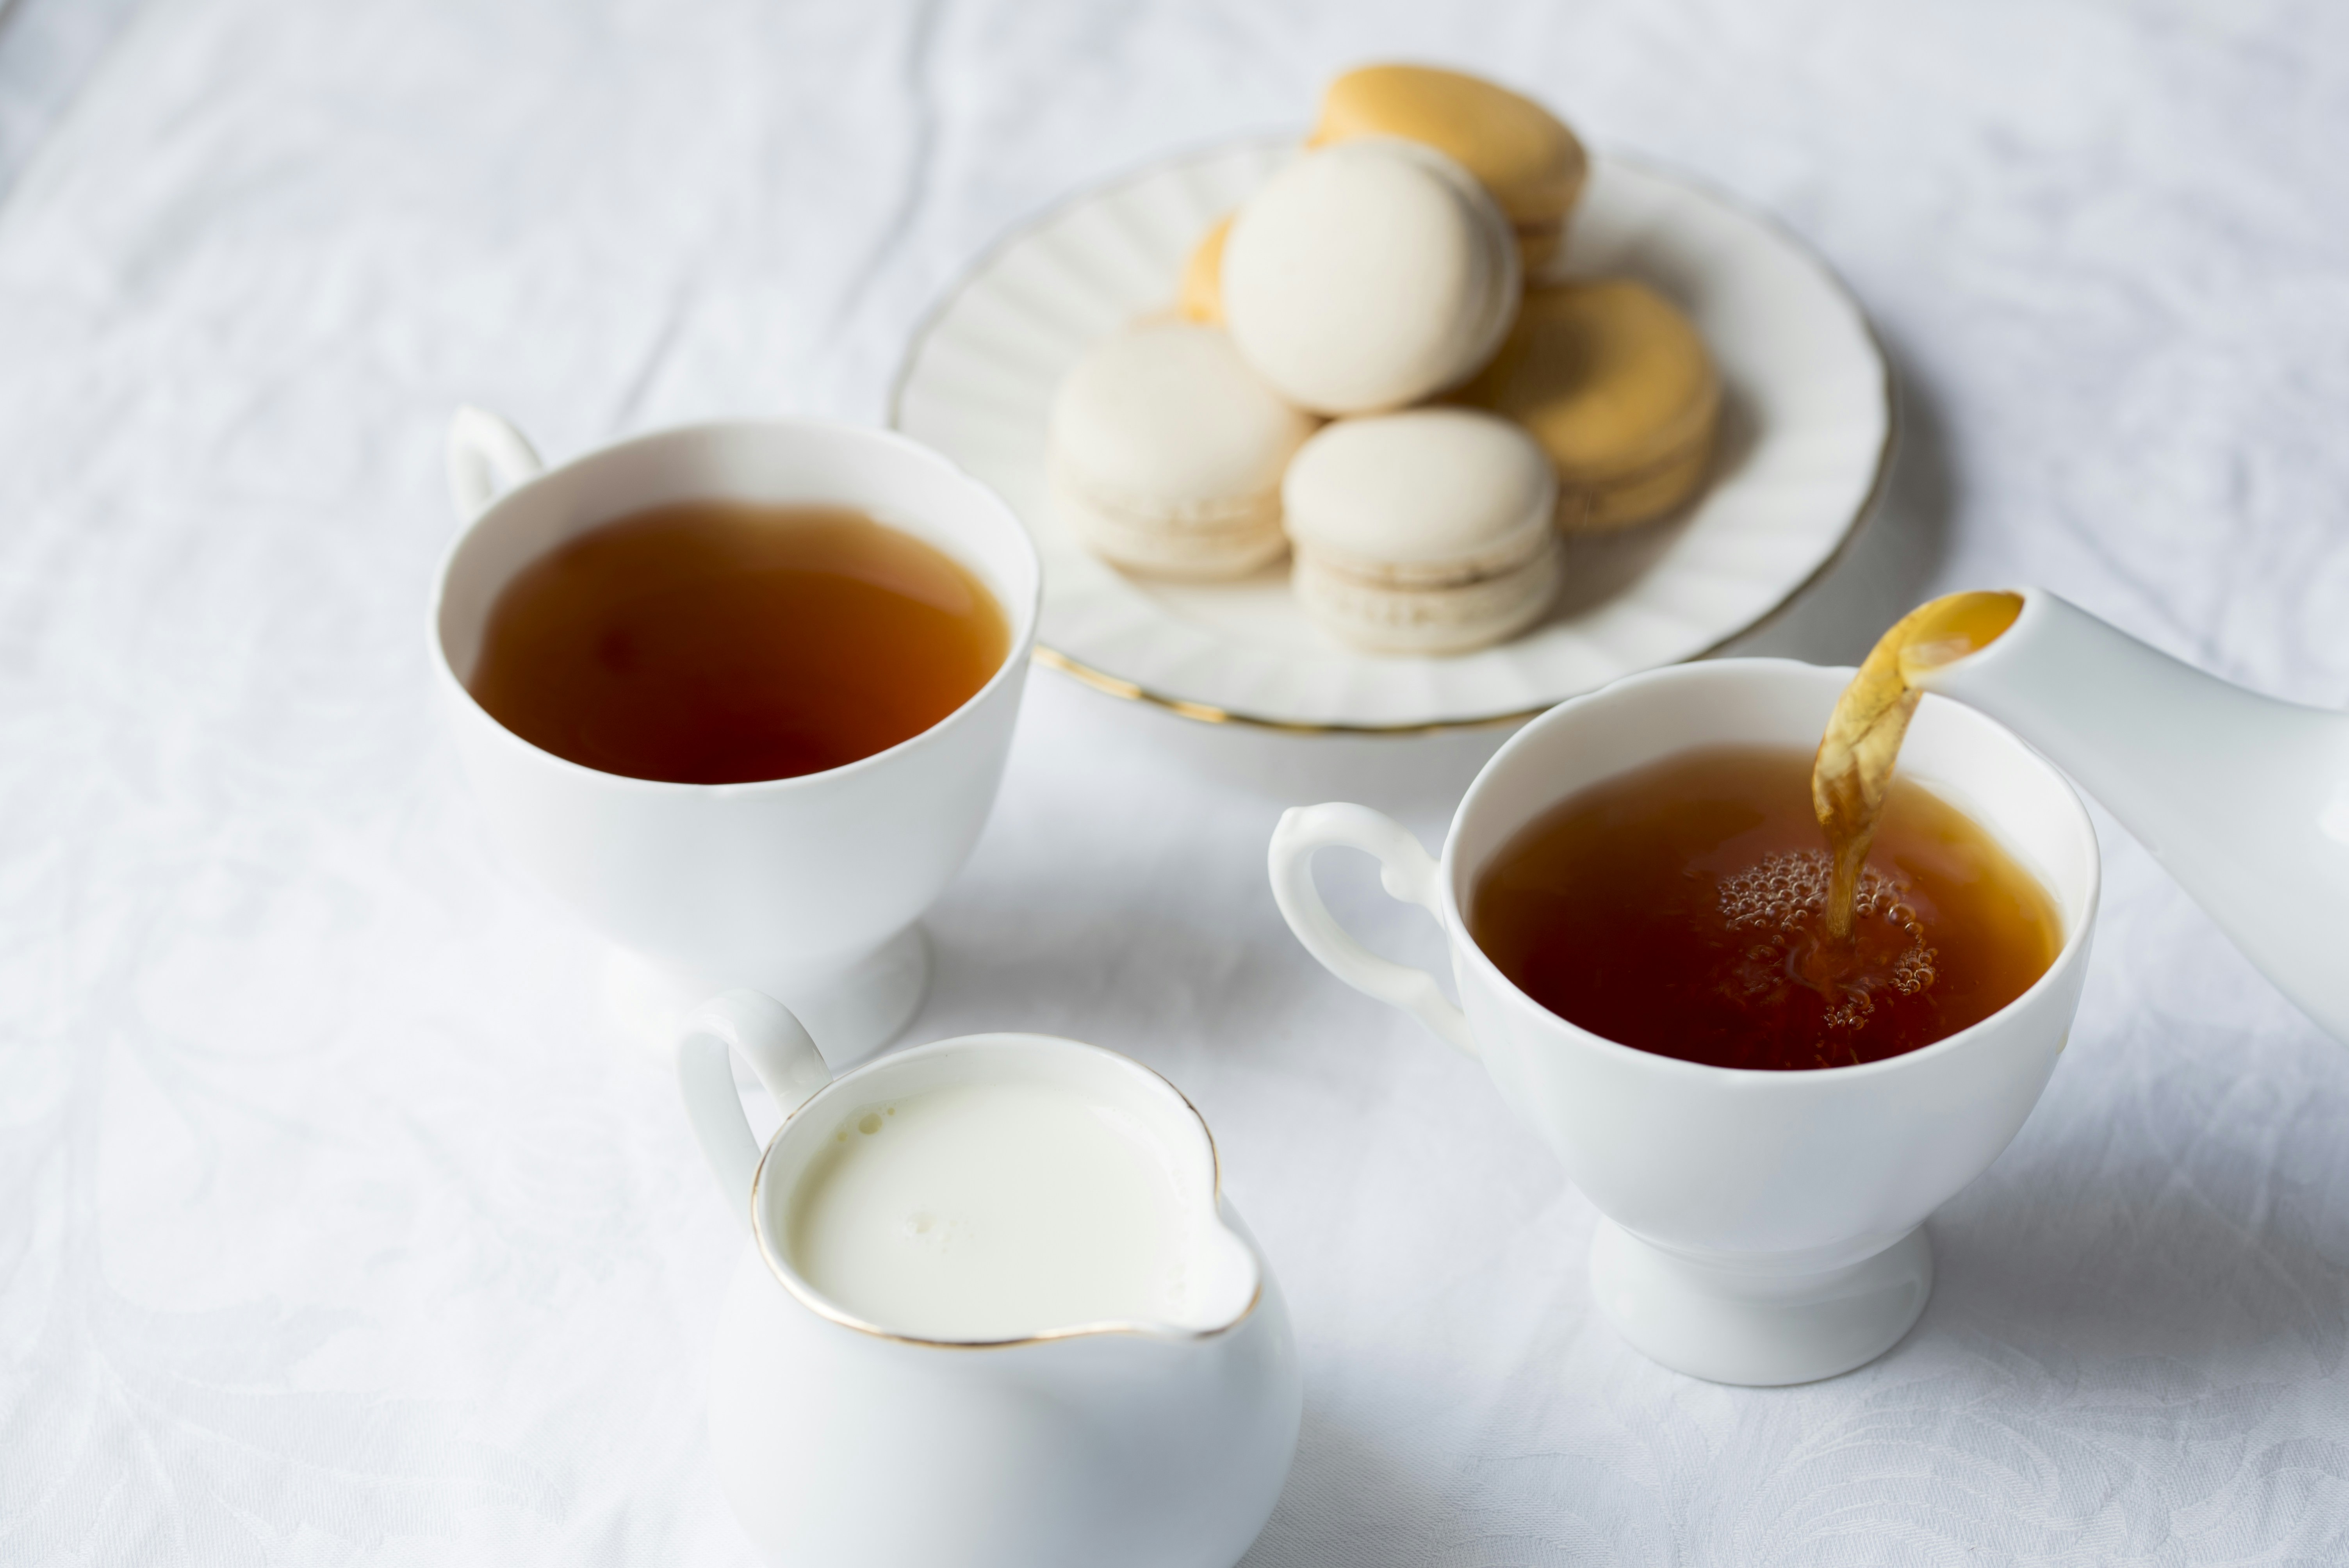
<point x="739" y="694"/>
<point x="1762" y="1209"/>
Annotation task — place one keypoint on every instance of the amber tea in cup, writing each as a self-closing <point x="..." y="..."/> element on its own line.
<point x="1680" y="908"/>
<point x="725" y="642"/>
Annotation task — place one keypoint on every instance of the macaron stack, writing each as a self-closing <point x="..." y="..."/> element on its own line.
<point x="1383" y="271"/>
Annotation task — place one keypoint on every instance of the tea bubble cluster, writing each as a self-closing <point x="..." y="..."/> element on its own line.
<point x="1780" y="903"/>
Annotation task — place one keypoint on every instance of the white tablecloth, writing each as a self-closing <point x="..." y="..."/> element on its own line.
<point x="337" y="1226"/>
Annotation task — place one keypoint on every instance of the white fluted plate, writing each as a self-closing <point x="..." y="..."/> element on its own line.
<point x="1806" y="434"/>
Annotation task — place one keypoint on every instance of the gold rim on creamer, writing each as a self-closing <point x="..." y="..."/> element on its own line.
<point x="809" y="1297"/>
<point x="1126" y="690"/>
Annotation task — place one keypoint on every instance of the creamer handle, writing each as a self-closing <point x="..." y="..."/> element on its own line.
<point x="1407" y="873"/>
<point x="778" y="1049"/>
<point x="487" y="458"/>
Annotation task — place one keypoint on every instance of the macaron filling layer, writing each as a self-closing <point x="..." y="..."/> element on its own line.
<point x="1424" y="531"/>
<point x="1498" y="560"/>
<point x="1454" y="617"/>
<point x="1625" y="501"/>
<point x="1233" y="542"/>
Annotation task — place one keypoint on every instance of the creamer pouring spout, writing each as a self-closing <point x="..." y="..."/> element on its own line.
<point x="2243" y="798"/>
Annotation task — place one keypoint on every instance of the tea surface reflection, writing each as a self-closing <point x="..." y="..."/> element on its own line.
<point x="725" y="642"/>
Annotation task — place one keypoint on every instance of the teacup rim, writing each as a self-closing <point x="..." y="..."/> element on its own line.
<point x="2073" y="953"/>
<point x="771" y="1251"/>
<point x="1028" y="618"/>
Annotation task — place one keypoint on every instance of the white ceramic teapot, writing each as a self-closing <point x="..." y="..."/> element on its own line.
<point x="2243" y="798"/>
<point x="852" y="1443"/>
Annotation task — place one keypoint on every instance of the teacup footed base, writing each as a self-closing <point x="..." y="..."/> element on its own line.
<point x="852" y="1012"/>
<point x="1759" y="1329"/>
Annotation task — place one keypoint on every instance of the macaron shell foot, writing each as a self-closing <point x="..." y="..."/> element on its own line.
<point x="1457" y="618"/>
<point x="1219" y="551"/>
<point x="1636" y="500"/>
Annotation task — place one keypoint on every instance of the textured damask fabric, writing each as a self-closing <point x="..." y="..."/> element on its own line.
<point x="337" y="1225"/>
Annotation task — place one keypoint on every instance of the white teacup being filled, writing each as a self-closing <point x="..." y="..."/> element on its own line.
<point x="1758" y="1226"/>
<point x="999" y="1314"/>
<point x="807" y="886"/>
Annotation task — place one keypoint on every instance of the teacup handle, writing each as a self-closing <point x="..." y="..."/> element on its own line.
<point x="1405" y="870"/>
<point x="778" y="1049"/>
<point x="487" y="458"/>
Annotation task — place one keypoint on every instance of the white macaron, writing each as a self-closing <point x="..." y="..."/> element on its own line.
<point x="1428" y="531"/>
<point x="1368" y="276"/>
<point x="1166" y="453"/>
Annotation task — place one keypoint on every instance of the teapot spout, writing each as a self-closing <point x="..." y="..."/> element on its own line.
<point x="2242" y="798"/>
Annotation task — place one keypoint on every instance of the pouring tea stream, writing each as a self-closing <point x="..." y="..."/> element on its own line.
<point x="2244" y="798"/>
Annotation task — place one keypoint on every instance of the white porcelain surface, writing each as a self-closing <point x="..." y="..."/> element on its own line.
<point x="848" y="1446"/>
<point x="1732" y="1324"/>
<point x="1805" y="433"/>
<point x="806" y="887"/>
<point x="1789" y="1180"/>
<point x="2245" y="798"/>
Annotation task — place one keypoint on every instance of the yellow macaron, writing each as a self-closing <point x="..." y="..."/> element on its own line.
<point x="1616" y="384"/>
<point x="1533" y="165"/>
<point x="1200" y="296"/>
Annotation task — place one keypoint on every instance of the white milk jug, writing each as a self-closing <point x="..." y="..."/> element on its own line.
<point x="998" y="1314"/>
